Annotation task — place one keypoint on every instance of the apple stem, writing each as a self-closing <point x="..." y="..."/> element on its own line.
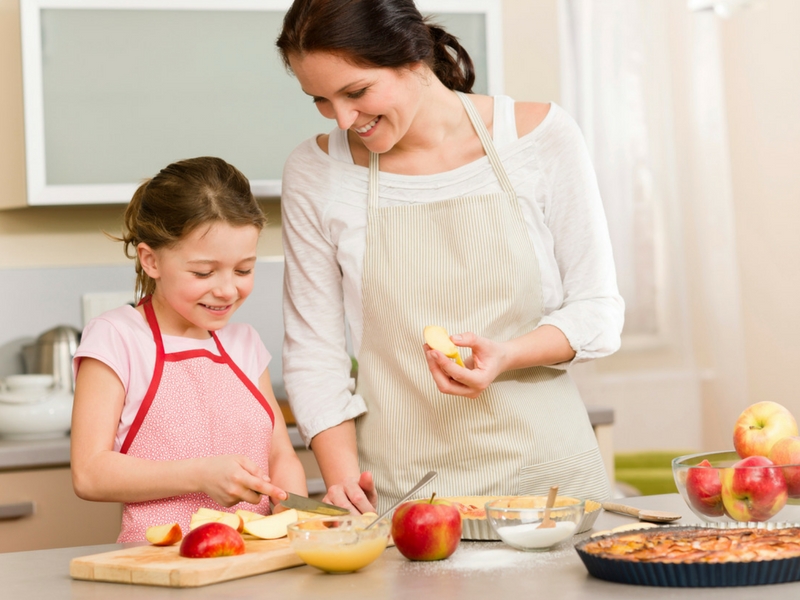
<point x="432" y="497"/>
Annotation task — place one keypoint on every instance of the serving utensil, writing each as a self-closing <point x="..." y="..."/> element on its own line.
<point x="652" y="516"/>
<point x="430" y="475"/>
<point x="547" y="522"/>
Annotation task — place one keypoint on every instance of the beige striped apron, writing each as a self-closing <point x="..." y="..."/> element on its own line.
<point x="467" y="264"/>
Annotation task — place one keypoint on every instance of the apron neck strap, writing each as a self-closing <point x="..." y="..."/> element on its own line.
<point x="150" y="313"/>
<point x="486" y="142"/>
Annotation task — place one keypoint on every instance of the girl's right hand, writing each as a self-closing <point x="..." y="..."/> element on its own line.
<point x="230" y="479"/>
<point x="358" y="495"/>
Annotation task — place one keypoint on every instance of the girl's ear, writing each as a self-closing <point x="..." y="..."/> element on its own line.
<point x="148" y="259"/>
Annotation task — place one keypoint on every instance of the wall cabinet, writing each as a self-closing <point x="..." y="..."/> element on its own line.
<point x="58" y="519"/>
<point x="114" y="90"/>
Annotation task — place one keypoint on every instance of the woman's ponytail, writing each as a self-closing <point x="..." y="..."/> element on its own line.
<point x="451" y="63"/>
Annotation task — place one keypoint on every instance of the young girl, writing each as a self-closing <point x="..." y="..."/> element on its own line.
<point x="173" y="405"/>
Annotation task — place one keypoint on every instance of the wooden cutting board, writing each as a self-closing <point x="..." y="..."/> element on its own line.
<point x="154" y="565"/>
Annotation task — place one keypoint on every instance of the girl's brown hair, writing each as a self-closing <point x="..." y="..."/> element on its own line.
<point x="183" y="196"/>
<point x="375" y="33"/>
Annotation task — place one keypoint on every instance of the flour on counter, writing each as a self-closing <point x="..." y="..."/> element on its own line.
<point x="489" y="557"/>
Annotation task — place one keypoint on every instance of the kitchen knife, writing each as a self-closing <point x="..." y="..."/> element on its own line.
<point x="309" y="505"/>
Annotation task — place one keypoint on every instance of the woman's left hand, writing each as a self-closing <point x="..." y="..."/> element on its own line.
<point x="479" y="370"/>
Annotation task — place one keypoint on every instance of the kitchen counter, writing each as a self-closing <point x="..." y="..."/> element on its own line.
<point x="478" y="570"/>
<point x="55" y="452"/>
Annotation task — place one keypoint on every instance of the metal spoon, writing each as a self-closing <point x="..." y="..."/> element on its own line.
<point x="653" y="516"/>
<point x="422" y="483"/>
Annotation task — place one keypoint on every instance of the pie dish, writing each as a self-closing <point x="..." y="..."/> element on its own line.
<point x="708" y="555"/>
<point x="475" y="526"/>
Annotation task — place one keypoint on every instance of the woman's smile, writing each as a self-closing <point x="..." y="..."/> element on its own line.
<point x="366" y="130"/>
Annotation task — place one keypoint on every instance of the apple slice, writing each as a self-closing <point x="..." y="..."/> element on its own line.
<point x="437" y="338"/>
<point x="271" y="527"/>
<point x="209" y="515"/>
<point x="164" y="535"/>
<point x="249" y="515"/>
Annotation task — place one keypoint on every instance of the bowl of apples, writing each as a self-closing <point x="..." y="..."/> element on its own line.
<point x="757" y="481"/>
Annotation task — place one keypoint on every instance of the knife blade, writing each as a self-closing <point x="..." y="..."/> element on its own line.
<point x="309" y="505"/>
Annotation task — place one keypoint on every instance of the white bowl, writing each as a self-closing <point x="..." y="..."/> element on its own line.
<point x="520" y="526"/>
<point x="35" y="414"/>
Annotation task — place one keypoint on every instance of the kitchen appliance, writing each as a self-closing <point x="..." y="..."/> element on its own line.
<point x="52" y="354"/>
<point x="32" y="408"/>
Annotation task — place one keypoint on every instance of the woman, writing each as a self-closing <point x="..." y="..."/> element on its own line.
<point x="434" y="206"/>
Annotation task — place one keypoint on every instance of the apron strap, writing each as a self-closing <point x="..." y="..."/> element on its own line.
<point x="488" y="144"/>
<point x="373" y="201"/>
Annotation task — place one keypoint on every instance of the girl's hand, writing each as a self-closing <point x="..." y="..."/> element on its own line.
<point x="230" y="479"/>
<point x="357" y="495"/>
<point x="479" y="370"/>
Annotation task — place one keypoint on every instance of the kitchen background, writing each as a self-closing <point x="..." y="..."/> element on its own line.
<point x="708" y="264"/>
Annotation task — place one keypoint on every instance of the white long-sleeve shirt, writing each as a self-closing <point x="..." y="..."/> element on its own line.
<point x="324" y="206"/>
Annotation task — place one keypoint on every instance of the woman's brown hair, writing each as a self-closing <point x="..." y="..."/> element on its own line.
<point x="183" y="196"/>
<point x="375" y="33"/>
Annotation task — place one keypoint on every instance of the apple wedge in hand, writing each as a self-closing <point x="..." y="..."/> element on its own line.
<point x="437" y="338"/>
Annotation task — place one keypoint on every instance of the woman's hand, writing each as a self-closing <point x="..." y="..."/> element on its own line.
<point x="358" y="495"/>
<point x="544" y="346"/>
<point x="479" y="370"/>
<point x="230" y="479"/>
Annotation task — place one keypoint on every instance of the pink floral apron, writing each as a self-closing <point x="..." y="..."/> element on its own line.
<point x="198" y="404"/>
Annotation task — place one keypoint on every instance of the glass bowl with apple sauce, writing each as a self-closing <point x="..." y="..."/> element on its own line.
<point x="520" y="522"/>
<point x="339" y="544"/>
<point x="722" y="487"/>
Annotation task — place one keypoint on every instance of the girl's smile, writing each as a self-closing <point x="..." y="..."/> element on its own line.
<point x="203" y="279"/>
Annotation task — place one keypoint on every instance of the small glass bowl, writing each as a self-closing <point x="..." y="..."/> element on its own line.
<point x="753" y="495"/>
<point x="517" y="523"/>
<point x="339" y="544"/>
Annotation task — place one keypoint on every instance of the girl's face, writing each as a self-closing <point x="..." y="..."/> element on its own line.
<point x="377" y="104"/>
<point x="203" y="279"/>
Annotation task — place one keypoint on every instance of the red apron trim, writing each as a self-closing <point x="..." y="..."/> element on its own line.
<point x="246" y="380"/>
<point x="162" y="357"/>
<point x="154" y="382"/>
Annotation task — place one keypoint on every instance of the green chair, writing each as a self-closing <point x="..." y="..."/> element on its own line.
<point x="649" y="471"/>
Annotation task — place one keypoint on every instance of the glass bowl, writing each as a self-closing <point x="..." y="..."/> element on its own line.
<point x="717" y="492"/>
<point x="517" y="522"/>
<point x="339" y="544"/>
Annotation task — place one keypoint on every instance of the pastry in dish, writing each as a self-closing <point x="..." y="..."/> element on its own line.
<point x="698" y="545"/>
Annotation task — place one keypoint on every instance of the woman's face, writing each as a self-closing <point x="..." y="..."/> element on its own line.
<point x="378" y="104"/>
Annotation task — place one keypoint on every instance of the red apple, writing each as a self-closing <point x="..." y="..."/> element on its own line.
<point x="760" y="426"/>
<point x="212" y="539"/>
<point x="787" y="452"/>
<point x="426" y="529"/>
<point x="704" y="488"/>
<point x="753" y="490"/>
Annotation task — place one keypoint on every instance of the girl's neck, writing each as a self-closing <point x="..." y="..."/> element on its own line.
<point x="172" y="324"/>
